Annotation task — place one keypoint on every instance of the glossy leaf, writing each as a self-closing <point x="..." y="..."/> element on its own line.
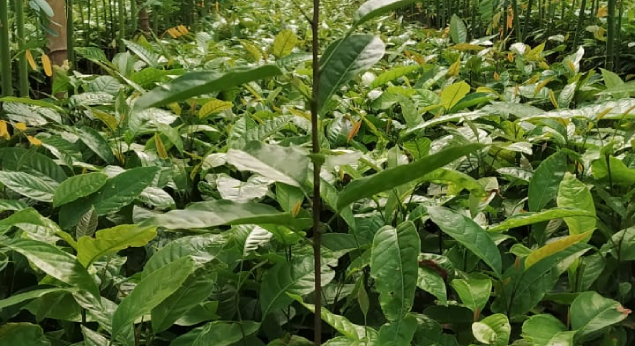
<point x="216" y="213"/>
<point x="591" y="313"/>
<point x="544" y="184"/>
<point x="394" y="266"/>
<point x="204" y="248"/>
<point x="344" y="60"/>
<point x="111" y="240"/>
<point x="452" y="94"/>
<point x="56" y="263"/>
<point x="217" y="333"/>
<point x="554" y="247"/>
<point x="30" y="295"/>
<point x="78" y="186"/>
<point x="281" y="164"/>
<point x="619" y="172"/>
<point x="339" y="323"/>
<point x="493" y="330"/>
<point x="28" y="185"/>
<point x="97" y="143"/>
<point x="469" y="234"/>
<point x="474" y="293"/>
<point x="572" y="193"/>
<point x="31" y="162"/>
<point x="529" y="218"/>
<point x="393" y="177"/>
<point x="197" y="83"/>
<point x="458" y="31"/>
<point x="374" y="8"/>
<point x="284" y="43"/>
<point x="431" y="282"/>
<point x="22" y="334"/>
<point x="150" y="292"/>
<point x="542" y="329"/>
<point x="399" y="332"/>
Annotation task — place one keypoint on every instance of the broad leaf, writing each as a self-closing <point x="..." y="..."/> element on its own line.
<point x="28" y="185"/>
<point x="34" y="294"/>
<point x="217" y="333"/>
<point x="111" y="240"/>
<point x="493" y="330"/>
<point x="97" y="143"/>
<point x="469" y="234"/>
<point x="431" y="282"/>
<point x="150" y="292"/>
<point x="394" y="266"/>
<point x="198" y="83"/>
<point x="77" y="187"/>
<point x="541" y="329"/>
<point x="452" y="94"/>
<point x="374" y="8"/>
<point x="281" y="164"/>
<point x="591" y="313"/>
<point x="22" y="334"/>
<point x="399" y="332"/>
<point x="553" y="247"/>
<point x="216" y="213"/>
<point x="575" y="194"/>
<point x="284" y="43"/>
<point x="391" y="178"/>
<point x="543" y="186"/>
<point x="474" y="293"/>
<point x="344" y="60"/>
<point x="524" y="219"/>
<point x="458" y="31"/>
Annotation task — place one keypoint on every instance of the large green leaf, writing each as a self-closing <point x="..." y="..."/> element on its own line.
<point x="474" y="293"/>
<point x="295" y="277"/>
<point x="543" y="186"/>
<point x="374" y="8"/>
<point x="22" y="297"/>
<point x="31" y="162"/>
<point x="575" y="194"/>
<point x="281" y="164"/>
<point x="216" y="213"/>
<point x="524" y="219"/>
<point x="591" y="313"/>
<point x="111" y="240"/>
<point x="393" y="177"/>
<point x="22" y="334"/>
<point x="28" y="185"/>
<point x="56" y="263"/>
<point x="198" y="83"/>
<point x="117" y="193"/>
<point x="458" y="31"/>
<point x="543" y="329"/>
<point x="399" y="332"/>
<point x="493" y="330"/>
<point x="431" y="282"/>
<point x="217" y="333"/>
<point x="394" y="266"/>
<point x="469" y="234"/>
<point x="192" y="292"/>
<point x="150" y="292"/>
<point x="97" y="143"/>
<point x="614" y="170"/>
<point x="284" y="43"/>
<point x="77" y="187"/>
<point x="452" y="94"/>
<point x="203" y="247"/>
<point x="345" y="59"/>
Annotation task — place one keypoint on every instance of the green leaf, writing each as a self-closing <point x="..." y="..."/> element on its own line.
<point x="216" y="213"/>
<point x="197" y="83"/>
<point x="572" y="193"/>
<point x="543" y="186"/>
<point x="284" y="43"/>
<point x="97" y="143"/>
<point x="554" y="247"/>
<point x="394" y="266"/>
<point x="295" y="278"/>
<point x="31" y="162"/>
<point x="340" y="323"/>
<point x="618" y="173"/>
<point x="192" y="292"/>
<point x="28" y="185"/>
<point x="30" y="295"/>
<point x="431" y="282"/>
<point x="77" y="187"/>
<point x="87" y="224"/>
<point x="524" y="219"/>
<point x="469" y="234"/>
<point x="92" y="338"/>
<point x="374" y="8"/>
<point x="452" y="94"/>
<point x="281" y="164"/>
<point x="111" y="240"/>
<point x="150" y="292"/>
<point x="117" y="193"/>
<point x="474" y="293"/>
<point x="458" y="31"/>
<point x="217" y="333"/>
<point x="213" y="106"/>
<point x="393" y="177"/>
<point x="591" y="313"/>
<point x="541" y="329"/>
<point x="345" y="59"/>
<point x="12" y="205"/>
<point x="493" y="330"/>
<point x="56" y="263"/>
<point x="399" y="332"/>
<point x="149" y="57"/>
<point x="392" y="74"/>
<point x="203" y="247"/>
<point x="22" y="334"/>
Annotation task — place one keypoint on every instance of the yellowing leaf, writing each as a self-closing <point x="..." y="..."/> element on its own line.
<point x="296" y="208"/>
<point x="552" y="98"/>
<point x="354" y="131"/>
<point x="454" y="68"/>
<point x="467" y="47"/>
<point x="173" y="32"/>
<point x="182" y="29"/>
<point x="160" y="147"/>
<point x="20" y="126"/>
<point x="497" y="76"/>
<point x="510" y="18"/>
<point x="34" y="140"/>
<point x="451" y="95"/>
<point x="284" y="43"/>
<point x="4" y="130"/>
<point x="553" y="247"/>
<point x="214" y="106"/>
<point x="46" y="63"/>
<point x="175" y="108"/>
<point x="29" y="58"/>
<point x="251" y="49"/>
<point x="542" y="85"/>
<point x="603" y="12"/>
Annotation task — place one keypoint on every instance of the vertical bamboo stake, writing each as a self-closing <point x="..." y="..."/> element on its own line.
<point x="610" y="36"/>
<point x="516" y="20"/>
<point x="5" y="55"/>
<point x="23" y="66"/>
<point x="530" y="5"/>
<point x="121" y="6"/>
<point x="618" y="38"/>
<point x="70" y="31"/>
<point x="578" y="29"/>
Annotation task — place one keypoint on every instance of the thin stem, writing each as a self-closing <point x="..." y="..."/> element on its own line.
<point x="317" y="233"/>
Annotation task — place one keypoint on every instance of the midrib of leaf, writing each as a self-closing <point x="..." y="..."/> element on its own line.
<point x="284" y="290"/>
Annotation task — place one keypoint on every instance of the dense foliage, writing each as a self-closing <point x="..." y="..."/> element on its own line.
<point x="475" y="190"/>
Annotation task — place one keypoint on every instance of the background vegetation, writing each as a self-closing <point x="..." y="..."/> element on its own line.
<point x="389" y="172"/>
